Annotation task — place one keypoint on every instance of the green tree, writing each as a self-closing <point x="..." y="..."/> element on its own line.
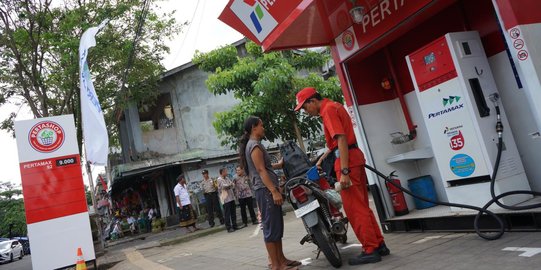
<point x="88" y="195"/>
<point x="266" y="84"/>
<point x="11" y="210"/>
<point x="39" y="65"/>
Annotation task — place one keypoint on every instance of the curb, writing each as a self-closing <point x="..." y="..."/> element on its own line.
<point x="142" y="236"/>
<point x="204" y="232"/>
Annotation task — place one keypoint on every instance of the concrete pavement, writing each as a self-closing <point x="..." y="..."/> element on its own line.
<point x="244" y="249"/>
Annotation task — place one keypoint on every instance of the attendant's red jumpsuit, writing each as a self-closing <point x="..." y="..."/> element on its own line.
<point x="336" y="121"/>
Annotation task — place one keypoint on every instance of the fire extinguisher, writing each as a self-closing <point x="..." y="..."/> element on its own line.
<point x="397" y="196"/>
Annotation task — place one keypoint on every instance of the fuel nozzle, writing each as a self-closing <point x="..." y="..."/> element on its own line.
<point x="499" y="126"/>
<point x="494" y="98"/>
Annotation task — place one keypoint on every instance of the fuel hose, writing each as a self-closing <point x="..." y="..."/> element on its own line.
<point x="488" y="234"/>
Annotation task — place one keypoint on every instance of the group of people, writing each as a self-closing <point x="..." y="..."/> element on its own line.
<point x="137" y="223"/>
<point x="221" y="190"/>
<point x="256" y="162"/>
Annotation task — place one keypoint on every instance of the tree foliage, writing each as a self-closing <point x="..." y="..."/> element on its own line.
<point x="265" y="84"/>
<point x="88" y="195"/>
<point x="11" y="210"/>
<point x="39" y="45"/>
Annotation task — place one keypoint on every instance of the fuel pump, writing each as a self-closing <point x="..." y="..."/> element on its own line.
<point x="453" y="83"/>
<point x="477" y="161"/>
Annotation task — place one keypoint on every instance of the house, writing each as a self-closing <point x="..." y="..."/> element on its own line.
<point x="173" y="136"/>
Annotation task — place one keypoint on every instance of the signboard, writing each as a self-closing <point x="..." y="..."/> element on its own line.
<point x="378" y="20"/>
<point x="258" y="18"/>
<point x="53" y="190"/>
<point x="347" y="43"/>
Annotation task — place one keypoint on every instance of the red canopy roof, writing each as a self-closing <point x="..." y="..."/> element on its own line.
<point x="285" y="24"/>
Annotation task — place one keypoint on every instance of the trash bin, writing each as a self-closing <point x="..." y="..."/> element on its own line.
<point x="423" y="186"/>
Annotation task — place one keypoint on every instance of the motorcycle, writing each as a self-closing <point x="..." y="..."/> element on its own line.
<point x="317" y="204"/>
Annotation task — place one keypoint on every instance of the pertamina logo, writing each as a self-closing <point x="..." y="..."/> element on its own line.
<point x="256" y="16"/>
<point x="46" y="136"/>
<point x="348" y="39"/>
<point x="448" y="102"/>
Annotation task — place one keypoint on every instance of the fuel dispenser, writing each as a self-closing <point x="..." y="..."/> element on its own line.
<point x="456" y="90"/>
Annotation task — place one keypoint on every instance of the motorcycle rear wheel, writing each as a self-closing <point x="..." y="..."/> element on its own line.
<point x="327" y="244"/>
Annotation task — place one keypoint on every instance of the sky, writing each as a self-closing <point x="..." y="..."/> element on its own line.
<point x="205" y="33"/>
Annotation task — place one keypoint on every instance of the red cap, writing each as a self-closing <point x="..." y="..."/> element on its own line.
<point x="303" y="95"/>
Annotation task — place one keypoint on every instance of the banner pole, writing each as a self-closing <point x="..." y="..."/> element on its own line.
<point x="93" y="196"/>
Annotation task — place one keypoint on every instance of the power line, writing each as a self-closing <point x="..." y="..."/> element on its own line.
<point x="199" y="26"/>
<point x="187" y="34"/>
<point x="138" y="31"/>
<point x="129" y="63"/>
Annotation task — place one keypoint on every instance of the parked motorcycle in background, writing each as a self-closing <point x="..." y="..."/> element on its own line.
<point x="315" y="202"/>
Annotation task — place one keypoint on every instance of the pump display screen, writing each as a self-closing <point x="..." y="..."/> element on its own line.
<point x="430" y="58"/>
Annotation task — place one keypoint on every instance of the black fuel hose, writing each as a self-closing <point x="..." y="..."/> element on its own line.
<point x="499" y="129"/>
<point x="488" y="234"/>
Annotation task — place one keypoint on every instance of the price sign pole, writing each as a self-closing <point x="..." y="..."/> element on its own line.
<point x="53" y="190"/>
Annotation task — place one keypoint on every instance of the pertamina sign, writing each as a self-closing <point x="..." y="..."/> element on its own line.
<point x="346" y="43"/>
<point x="379" y="20"/>
<point x="54" y="195"/>
<point x="256" y="15"/>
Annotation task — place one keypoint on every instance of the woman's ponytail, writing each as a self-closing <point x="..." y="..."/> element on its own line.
<point x="249" y="123"/>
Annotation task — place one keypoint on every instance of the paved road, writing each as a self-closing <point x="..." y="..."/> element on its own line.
<point x="244" y="249"/>
<point x="24" y="264"/>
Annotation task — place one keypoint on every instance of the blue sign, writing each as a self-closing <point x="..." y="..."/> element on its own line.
<point x="462" y="165"/>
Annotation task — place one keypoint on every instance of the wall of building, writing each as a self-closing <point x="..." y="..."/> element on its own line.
<point x="195" y="108"/>
<point x="163" y="141"/>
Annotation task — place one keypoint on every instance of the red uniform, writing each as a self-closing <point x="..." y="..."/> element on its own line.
<point x="336" y="121"/>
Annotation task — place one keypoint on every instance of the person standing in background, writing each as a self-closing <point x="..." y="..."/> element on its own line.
<point x="182" y="196"/>
<point x="210" y="190"/>
<point x="244" y="194"/>
<point x="227" y="195"/>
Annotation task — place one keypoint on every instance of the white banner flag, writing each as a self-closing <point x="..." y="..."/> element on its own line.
<point x="95" y="134"/>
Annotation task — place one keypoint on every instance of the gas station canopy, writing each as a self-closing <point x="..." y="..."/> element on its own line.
<point x="366" y="24"/>
<point x="285" y="24"/>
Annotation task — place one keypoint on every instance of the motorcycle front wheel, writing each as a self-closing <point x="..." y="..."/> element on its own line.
<point x="326" y="244"/>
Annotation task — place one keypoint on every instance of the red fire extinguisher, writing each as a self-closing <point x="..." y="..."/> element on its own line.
<point x="397" y="196"/>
